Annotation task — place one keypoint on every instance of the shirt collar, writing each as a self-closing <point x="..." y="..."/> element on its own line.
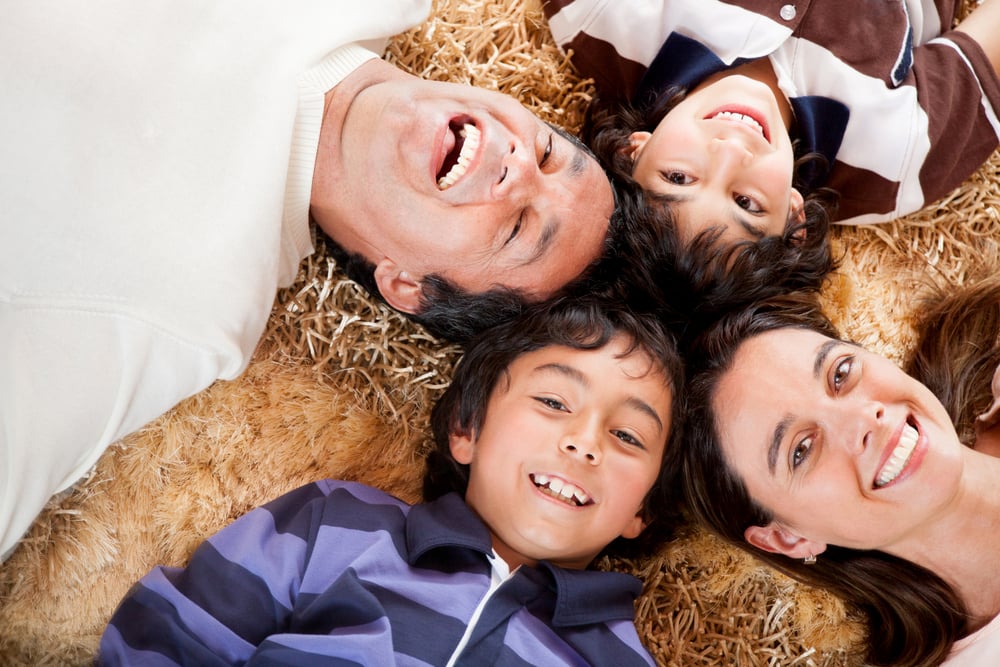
<point x="582" y="597"/>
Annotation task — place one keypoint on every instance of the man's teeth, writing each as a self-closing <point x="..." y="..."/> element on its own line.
<point x="742" y="118"/>
<point x="561" y="489"/>
<point x="899" y="458"/>
<point x="471" y="136"/>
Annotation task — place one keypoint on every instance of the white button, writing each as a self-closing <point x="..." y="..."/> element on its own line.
<point x="787" y="12"/>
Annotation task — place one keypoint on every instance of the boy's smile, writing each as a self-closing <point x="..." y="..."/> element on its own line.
<point x="571" y="444"/>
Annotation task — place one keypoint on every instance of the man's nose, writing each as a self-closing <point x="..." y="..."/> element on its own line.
<point x="518" y="174"/>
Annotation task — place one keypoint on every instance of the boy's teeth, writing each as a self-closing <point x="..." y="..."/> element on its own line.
<point x="563" y="490"/>
<point x="899" y="457"/>
<point x="471" y="135"/>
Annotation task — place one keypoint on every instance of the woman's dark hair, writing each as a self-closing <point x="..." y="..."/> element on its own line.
<point x="913" y="616"/>
<point x="802" y="251"/>
<point x="958" y="349"/>
<point x="580" y="323"/>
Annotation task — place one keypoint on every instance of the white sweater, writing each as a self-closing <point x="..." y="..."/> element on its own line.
<point x="156" y="159"/>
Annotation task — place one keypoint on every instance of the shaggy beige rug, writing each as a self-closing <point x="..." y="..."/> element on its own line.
<point x="341" y="387"/>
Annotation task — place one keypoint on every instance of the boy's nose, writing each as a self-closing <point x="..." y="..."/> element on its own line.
<point x="582" y="447"/>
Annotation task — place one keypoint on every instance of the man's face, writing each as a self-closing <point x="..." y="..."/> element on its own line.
<point x="451" y="179"/>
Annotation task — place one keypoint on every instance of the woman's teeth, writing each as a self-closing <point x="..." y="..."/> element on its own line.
<point x="561" y="490"/>
<point x="899" y="458"/>
<point x="741" y="118"/>
<point x="470" y="136"/>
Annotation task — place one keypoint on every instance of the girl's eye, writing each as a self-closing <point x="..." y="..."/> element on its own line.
<point x="551" y="403"/>
<point x="547" y="153"/>
<point x="800" y="452"/>
<point x="748" y="204"/>
<point x="677" y="178"/>
<point x="841" y="372"/>
<point x="627" y="438"/>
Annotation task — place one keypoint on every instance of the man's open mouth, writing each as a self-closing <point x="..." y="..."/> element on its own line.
<point x="467" y="137"/>
<point x="562" y="490"/>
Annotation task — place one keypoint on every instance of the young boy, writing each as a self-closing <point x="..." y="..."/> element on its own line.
<point x="900" y="107"/>
<point x="550" y="446"/>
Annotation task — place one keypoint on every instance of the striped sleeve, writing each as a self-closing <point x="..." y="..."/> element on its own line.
<point x="238" y="588"/>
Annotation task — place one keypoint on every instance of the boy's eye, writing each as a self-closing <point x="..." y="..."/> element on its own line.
<point x="800" y="452"/>
<point x="748" y="204"/>
<point x="677" y="177"/>
<point x="517" y="229"/>
<point x="627" y="438"/>
<point x="551" y="403"/>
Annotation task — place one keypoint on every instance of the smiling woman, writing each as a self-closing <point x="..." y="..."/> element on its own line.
<point x="833" y="465"/>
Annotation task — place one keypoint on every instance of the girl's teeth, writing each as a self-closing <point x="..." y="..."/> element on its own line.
<point x="743" y="118"/>
<point x="899" y="458"/>
<point x="472" y="136"/>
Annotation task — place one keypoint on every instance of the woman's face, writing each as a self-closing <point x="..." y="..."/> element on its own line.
<point x="838" y="443"/>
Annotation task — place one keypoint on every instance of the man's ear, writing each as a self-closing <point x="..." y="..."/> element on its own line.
<point x="398" y="288"/>
<point x="775" y="539"/>
<point x="636" y="141"/>
<point x="462" y="447"/>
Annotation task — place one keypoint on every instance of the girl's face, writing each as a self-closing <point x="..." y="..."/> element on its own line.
<point x="838" y="443"/>
<point x="724" y="154"/>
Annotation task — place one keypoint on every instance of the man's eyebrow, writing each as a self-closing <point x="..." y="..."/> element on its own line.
<point x="543" y="243"/>
<point x="575" y="375"/>
<point x="779" y="431"/>
<point x="578" y="163"/>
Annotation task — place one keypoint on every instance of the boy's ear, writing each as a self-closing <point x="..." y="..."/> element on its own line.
<point x="462" y="447"/>
<point x="775" y="539"/>
<point x="398" y="288"/>
<point x="635" y="527"/>
<point x="636" y="141"/>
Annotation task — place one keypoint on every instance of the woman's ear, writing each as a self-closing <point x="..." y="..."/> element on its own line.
<point x="398" y="288"/>
<point x="636" y="142"/>
<point x="797" y="215"/>
<point x="775" y="539"/>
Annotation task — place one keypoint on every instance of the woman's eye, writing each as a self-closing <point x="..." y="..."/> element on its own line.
<point x="547" y="153"/>
<point x="748" y="204"/>
<point x="677" y="178"/>
<point x="627" y="438"/>
<point x="551" y="403"/>
<point x="801" y="451"/>
<point x="841" y="372"/>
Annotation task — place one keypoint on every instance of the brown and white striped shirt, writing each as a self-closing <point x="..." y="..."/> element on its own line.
<point x="904" y="109"/>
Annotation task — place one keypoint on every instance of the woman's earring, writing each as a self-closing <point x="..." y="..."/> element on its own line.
<point x="809" y="560"/>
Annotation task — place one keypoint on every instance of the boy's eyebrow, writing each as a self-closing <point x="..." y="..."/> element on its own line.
<point x="575" y="375"/>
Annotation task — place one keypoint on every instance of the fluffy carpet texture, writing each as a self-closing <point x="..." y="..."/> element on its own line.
<point x="341" y="387"/>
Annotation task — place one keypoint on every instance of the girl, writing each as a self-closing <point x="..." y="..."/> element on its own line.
<point x="899" y="108"/>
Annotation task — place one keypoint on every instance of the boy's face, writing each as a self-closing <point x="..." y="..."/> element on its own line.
<point x="569" y="448"/>
<point x="725" y="155"/>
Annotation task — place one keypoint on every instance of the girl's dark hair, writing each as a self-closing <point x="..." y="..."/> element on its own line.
<point x="913" y="616"/>
<point x="580" y="323"/>
<point x="802" y="251"/>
